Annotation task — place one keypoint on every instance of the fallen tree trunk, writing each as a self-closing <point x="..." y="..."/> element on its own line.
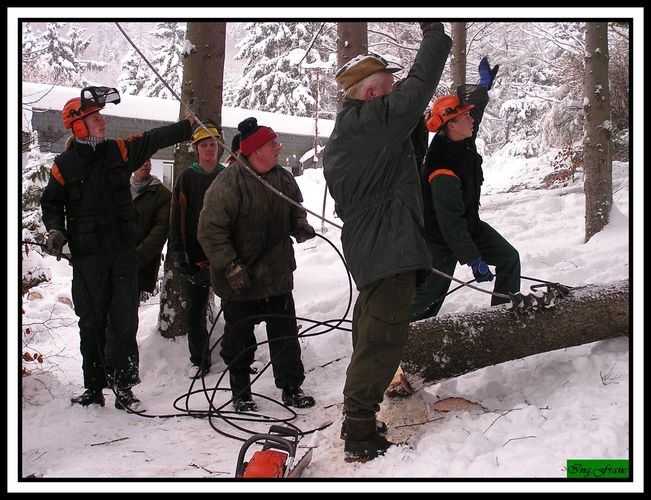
<point x="453" y="344"/>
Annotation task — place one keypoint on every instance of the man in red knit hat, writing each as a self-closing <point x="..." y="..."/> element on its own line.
<point x="245" y="229"/>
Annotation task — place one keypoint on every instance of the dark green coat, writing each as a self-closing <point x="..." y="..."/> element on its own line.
<point x="371" y="171"/>
<point x="242" y="219"/>
<point x="152" y="206"/>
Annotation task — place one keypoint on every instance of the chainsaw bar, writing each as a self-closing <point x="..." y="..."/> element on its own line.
<point x="298" y="468"/>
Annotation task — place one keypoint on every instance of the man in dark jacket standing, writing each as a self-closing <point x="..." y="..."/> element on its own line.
<point x="151" y="201"/>
<point x="245" y="229"/>
<point x="451" y="177"/>
<point x="370" y="168"/>
<point x="87" y="202"/>
<point x="189" y="258"/>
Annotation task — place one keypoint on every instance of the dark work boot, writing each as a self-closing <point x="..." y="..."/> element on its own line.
<point x="241" y="389"/>
<point x="362" y="441"/>
<point x="382" y="429"/>
<point x="244" y="403"/>
<point x="125" y="399"/>
<point x="89" y="397"/>
<point x="197" y="371"/>
<point x="294" y="396"/>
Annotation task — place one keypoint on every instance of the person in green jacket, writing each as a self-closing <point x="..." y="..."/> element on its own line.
<point x="371" y="171"/>
<point x="151" y="201"/>
<point x="87" y="202"/>
<point x="245" y="230"/>
<point x="451" y="177"/>
<point x="189" y="258"/>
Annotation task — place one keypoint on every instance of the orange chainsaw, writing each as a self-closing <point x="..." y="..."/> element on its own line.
<point x="277" y="457"/>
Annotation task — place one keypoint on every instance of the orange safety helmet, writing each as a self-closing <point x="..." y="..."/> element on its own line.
<point x="92" y="100"/>
<point x="73" y="115"/>
<point x="444" y="109"/>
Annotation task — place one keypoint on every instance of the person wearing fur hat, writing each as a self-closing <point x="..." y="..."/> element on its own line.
<point x="245" y="230"/>
<point x="189" y="258"/>
<point x="370" y="168"/>
<point x="87" y="202"/>
<point x="451" y="178"/>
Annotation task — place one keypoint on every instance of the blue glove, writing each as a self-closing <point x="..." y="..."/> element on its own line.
<point x="480" y="270"/>
<point x="487" y="74"/>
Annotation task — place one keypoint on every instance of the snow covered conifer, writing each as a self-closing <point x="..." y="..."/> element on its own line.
<point x="167" y="58"/>
<point x="270" y="81"/>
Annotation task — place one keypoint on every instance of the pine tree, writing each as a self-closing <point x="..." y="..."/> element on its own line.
<point x="30" y="54"/>
<point x="134" y="76"/>
<point x="34" y="178"/>
<point x="57" y="59"/>
<point x="77" y="44"/>
<point x="34" y="47"/>
<point x="271" y="82"/>
<point x="167" y="59"/>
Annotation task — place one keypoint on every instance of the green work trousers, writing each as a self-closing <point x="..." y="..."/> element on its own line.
<point x="494" y="249"/>
<point x="380" y="324"/>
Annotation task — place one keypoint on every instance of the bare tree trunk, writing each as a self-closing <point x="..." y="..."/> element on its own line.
<point x="202" y="87"/>
<point x="352" y="40"/>
<point x="597" y="150"/>
<point x="453" y="344"/>
<point x="458" y="59"/>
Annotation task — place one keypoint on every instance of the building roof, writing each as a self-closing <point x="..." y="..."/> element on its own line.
<point x="40" y="96"/>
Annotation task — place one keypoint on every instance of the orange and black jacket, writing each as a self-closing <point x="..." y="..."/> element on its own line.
<point x="451" y="177"/>
<point x="88" y="194"/>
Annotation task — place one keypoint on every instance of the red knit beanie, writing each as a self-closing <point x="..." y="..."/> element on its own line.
<point x="253" y="136"/>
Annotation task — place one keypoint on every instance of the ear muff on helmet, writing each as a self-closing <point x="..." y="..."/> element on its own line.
<point x="79" y="129"/>
<point x="73" y="117"/>
<point x="433" y="122"/>
<point x="71" y="112"/>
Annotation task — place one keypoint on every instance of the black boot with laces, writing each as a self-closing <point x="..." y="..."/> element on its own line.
<point x="241" y="389"/>
<point x="89" y="397"/>
<point x="382" y="429"/>
<point x="244" y="404"/>
<point x="362" y="441"/>
<point x="124" y="399"/>
<point x="294" y="396"/>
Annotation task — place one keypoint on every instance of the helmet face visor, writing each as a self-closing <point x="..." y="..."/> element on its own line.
<point x="92" y="97"/>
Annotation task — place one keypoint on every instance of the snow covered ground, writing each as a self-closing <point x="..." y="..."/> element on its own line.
<point x="528" y="416"/>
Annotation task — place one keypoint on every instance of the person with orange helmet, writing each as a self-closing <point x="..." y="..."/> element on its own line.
<point x="88" y="204"/>
<point x="451" y="176"/>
